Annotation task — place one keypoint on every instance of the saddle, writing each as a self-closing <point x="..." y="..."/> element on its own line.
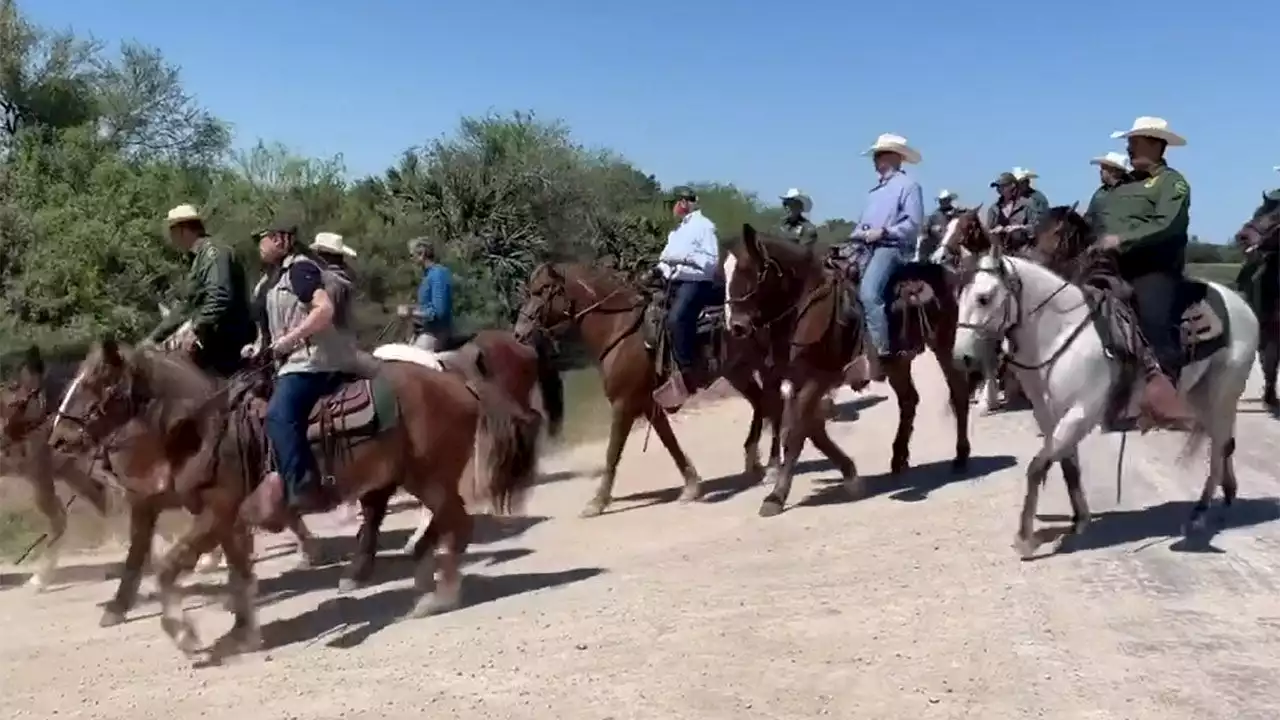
<point x="912" y="290"/>
<point x="1202" y="322"/>
<point x="657" y="335"/>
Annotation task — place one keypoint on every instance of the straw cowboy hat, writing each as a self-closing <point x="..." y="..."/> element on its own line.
<point x="1116" y="160"/>
<point x="1021" y="173"/>
<point x="183" y="213"/>
<point x="331" y="243"/>
<point x="1152" y="127"/>
<point x="889" y="142"/>
<point x="806" y="203"/>
<point x="947" y="195"/>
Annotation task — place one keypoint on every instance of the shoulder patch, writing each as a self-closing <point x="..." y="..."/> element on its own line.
<point x="1180" y="187"/>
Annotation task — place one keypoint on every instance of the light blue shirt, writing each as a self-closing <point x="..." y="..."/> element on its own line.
<point x="895" y="205"/>
<point x="692" y="251"/>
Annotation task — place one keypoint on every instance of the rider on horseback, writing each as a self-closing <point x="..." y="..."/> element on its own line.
<point x="313" y="356"/>
<point x="796" y="225"/>
<point x="217" y="303"/>
<point x="1014" y="214"/>
<point x="333" y="251"/>
<point x="935" y="228"/>
<point x="689" y="264"/>
<point x="889" y="225"/>
<point x="1039" y="202"/>
<point x="1113" y="170"/>
<point x="1145" y="221"/>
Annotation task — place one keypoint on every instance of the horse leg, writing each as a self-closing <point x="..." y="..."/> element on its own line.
<point x="1061" y="440"/>
<point x="899" y="376"/>
<point x="662" y="426"/>
<point x="211" y="527"/>
<point x="456" y="526"/>
<point x="142" y="527"/>
<point x="373" y="506"/>
<point x="424" y="522"/>
<point x="799" y="406"/>
<point x="817" y="424"/>
<point x="308" y="548"/>
<point x="1269" y="357"/>
<point x="747" y="386"/>
<point x="51" y="507"/>
<point x="957" y="383"/>
<point x="772" y="393"/>
<point x="1080" y="515"/>
<point x="623" y="419"/>
<point x="244" y="635"/>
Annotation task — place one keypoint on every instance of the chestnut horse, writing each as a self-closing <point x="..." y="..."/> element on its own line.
<point x="773" y="276"/>
<point x="1260" y="239"/>
<point x="26" y="419"/>
<point x="609" y="312"/>
<point x="409" y="426"/>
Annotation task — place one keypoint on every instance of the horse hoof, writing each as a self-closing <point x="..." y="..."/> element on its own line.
<point x="37" y="583"/>
<point x="1025" y="547"/>
<point x="111" y="618"/>
<point x="346" y="585"/>
<point x="593" y="509"/>
<point x="771" y="507"/>
<point x="853" y="487"/>
<point x="959" y="464"/>
<point x="435" y="603"/>
<point x="208" y="564"/>
<point x="897" y="466"/>
<point x="690" y="494"/>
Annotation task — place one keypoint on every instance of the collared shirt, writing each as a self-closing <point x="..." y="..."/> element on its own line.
<point x="801" y="230"/>
<point x="435" y="299"/>
<point x="896" y="205"/>
<point x="692" y="251"/>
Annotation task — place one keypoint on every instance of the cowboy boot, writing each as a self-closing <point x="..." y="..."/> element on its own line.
<point x="673" y="393"/>
<point x="1159" y="404"/>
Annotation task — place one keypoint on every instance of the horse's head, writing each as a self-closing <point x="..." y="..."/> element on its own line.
<point x="1262" y="226"/>
<point x="988" y="308"/>
<point x="109" y="390"/>
<point x="965" y="235"/>
<point x="1062" y="235"/>
<point x="762" y="274"/>
<point x="22" y="400"/>
<point x="548" y="306"/>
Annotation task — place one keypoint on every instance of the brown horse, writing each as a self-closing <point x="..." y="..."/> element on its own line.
<point x="609" y="313"/>
<point x="26" y="420"/>
<point x="409" y="426"/>
<point x="773" y="276"/>
<point x="1260" y="277"/>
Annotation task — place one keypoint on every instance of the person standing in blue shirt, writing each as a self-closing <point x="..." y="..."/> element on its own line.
<point x="887" y="232"/>
<point x="433" y="315"/>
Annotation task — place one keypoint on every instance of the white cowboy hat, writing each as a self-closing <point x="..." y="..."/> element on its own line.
<point x="806" y="203"/>
<point x="947" y="195"/>
<point x="1116" y="160"/>
<point x="183" y="213"/>
<point x="331" y="243"/>
<point x="889" y="142"/>
<point x="1276" y="168"/>
<point x="1021" y="173"/>
<point x="1152" y="127"/>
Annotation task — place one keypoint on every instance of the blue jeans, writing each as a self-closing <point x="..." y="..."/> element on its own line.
<point x="876" y="274"/>
<point x="688" y="299"/>
<point x="292" y="401"/>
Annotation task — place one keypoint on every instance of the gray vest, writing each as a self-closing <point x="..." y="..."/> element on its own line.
<point x="330" y="350"/>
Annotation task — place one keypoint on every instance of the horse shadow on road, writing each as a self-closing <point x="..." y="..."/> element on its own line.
<point x="851" y="410"/>
<point x="912" y="485"/>
<point x="347" y="621"/>
<point x="1155" y="524"/>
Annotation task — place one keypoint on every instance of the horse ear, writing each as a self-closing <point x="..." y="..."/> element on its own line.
<point x="1075" y="205"/>
<point x="751" y="242"/>
<point x="111" y="352"/>
<point x="977" y="209"/>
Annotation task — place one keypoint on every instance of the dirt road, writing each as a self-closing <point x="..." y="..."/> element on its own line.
<point x="909" y="604"/>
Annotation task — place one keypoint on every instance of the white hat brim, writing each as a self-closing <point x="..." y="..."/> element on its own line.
<point x="344" y="250"/>
<point x="1107" y="162"/>
<point x="805" y="202"/>
<point x="1170" y="137"/>
<point x="908" y="153"/>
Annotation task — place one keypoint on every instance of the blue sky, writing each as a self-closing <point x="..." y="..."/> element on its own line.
<point x="765" y="95"/>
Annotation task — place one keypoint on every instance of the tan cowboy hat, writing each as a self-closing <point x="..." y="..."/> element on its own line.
<point x="183" y="213"/>
<point x="806" y="203"/>
<point x="1116" y="160"/>
<point x="1152" y="127"/>
<point x="889" y="142"/>
<point x="1021" y="173"/>
<point x="331" y="243"/>
<point x="947" y="195"/>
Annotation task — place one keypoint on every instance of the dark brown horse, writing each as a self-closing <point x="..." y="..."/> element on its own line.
<point x="773" y="278"/>
<point x="1260" y="277"/>
<point x="27" y="405"/>
<point x="410" y="426"/>
<point x="609" y="313"/>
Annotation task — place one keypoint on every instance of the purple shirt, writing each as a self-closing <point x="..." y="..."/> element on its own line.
<point x="896" y="204"/>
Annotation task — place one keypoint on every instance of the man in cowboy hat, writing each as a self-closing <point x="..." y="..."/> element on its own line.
<point x="887" y="230"/>
<point x="333" y="252"/>
<point x="797" y="225"/>
<point x="936" y="226"/>
<point x="1039" y="202"/>
<point x="215" y="309"/>
<point x="433" y="315"/>
<point x="1146" y="221"/>
<point x="1013" y="216"/>
<point x="1113" y="169"/>
<point x="689" y="263"/>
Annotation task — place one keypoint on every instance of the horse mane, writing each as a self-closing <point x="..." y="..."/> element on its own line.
<point x="1073" y="240"/>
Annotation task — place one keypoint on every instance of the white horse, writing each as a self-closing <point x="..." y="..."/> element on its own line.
<point x="1069" y="378"/>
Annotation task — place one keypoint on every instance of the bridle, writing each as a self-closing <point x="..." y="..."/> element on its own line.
<point x="534" y="313"/>
<point x="768" y="268"/>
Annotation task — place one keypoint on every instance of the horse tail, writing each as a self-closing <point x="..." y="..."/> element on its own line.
<point x="512" y="458"/>
<point x="551" y="385"/>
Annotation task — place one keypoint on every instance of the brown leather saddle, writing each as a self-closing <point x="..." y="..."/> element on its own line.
<point x="912" y="290"/>
<point x="351" y="411"/>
